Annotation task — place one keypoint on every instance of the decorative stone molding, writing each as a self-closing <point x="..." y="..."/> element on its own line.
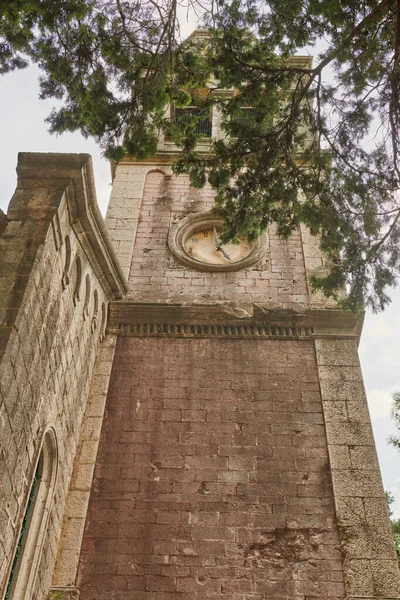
<point x="42" y="181"/>
<point x="56" y="228"/>
<point x="87" y="297"/>
<point x="219" y="331"/>
<point x="128" y="318"/>
<point x="182" y="229"/>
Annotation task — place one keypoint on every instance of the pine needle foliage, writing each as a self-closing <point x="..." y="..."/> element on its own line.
<point x="395" y="525"/>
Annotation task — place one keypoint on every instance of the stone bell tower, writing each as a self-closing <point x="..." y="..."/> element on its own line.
<point x="205" y="426"/>
<point x="236" y="458"/>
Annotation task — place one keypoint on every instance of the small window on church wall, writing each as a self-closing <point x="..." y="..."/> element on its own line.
<point x="34" y="524"/>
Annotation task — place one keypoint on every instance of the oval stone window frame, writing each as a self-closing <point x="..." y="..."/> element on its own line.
<point x="188" y="226"/>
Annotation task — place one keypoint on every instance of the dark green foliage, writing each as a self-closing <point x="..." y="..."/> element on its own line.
<point x="395" y="524"/>
<point x="394" y="440"/>
<point x="320" y="153"/>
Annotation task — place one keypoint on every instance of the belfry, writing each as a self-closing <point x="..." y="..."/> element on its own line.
<point x="181" y="419"/>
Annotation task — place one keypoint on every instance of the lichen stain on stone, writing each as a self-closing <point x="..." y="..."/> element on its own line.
<point x="282" y="547"/>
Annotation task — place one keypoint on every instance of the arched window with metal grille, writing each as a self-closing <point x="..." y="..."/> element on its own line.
<point x="24" y="568"/>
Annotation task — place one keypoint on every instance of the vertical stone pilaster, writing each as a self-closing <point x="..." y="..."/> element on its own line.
<point x="314" y="262"/>
<point x="123" y="210"/>
<point x="81" y="482"/>
<point x="369" y="560"/>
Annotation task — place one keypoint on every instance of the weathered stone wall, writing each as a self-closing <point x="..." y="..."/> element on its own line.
<point x="144" y="202"/>
<point x="274" y="300"/>
<point x="64" y="577"/>
<point x="123" y="210"/>
<point x="155" y="275"/>
<point x="212" y="477"/>
<point x="53" y="317"/>
<point x="371" y="569"/>
<point x="236" y="457"/>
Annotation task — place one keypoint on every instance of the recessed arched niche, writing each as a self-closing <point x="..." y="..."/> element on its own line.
<point x="103" y="320"/>
<point x="87" y="297"/>
<point x="78" y="280"/>
<point x="67" y="262"/>
<point x="95" y="309"/>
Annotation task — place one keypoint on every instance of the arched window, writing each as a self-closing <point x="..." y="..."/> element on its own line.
<point x="34" y="524"/>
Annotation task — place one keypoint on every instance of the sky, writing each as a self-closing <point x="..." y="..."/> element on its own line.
<point x="22" y="129"/>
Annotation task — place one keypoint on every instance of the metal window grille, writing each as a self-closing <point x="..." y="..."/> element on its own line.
<point x="249" y="116"/>
<point x="246" y="116"/>
<point x="203" y="124"/>
<point x="24" y="530"/>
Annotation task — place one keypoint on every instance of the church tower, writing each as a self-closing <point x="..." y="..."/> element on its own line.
<point x="236" y="457"/>
<point x="217" y="444"/>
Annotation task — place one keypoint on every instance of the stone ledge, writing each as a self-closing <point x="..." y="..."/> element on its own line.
<point x="134" y="319"/>
<point x="218" y="331"/>
<point x="40" y="176"/>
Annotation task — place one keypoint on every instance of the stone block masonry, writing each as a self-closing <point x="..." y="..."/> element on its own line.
<point x="155" y="276"/>
<point x="236" y="460"/>
<point x="57" y="277"/>
<point x="81" y="481"/>
<point x="208" y="434"/>
<point x="371" y="569"/>
<point x="212" y="479"/>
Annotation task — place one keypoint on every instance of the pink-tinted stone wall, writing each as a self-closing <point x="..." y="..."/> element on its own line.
<point x="212" y="479"/>
<point x="156" y="277"/>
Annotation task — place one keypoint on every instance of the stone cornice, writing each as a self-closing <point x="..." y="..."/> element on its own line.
<point x="224" y="321"/>
<point x="161" y="159"/>
<point x="42" y="181"/>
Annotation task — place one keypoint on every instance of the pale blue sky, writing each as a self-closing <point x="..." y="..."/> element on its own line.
<point x="23" y="129"/>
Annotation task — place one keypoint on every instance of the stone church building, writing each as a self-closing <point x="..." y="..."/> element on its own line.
<point x="180" y="420"/>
